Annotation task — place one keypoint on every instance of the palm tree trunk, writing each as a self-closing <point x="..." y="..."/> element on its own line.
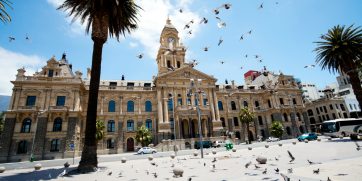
<point x="356" y="86"/>
<point x="89" y="154"/>
<point x="248" y="132"/>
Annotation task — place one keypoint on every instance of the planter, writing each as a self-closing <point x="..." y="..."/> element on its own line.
<point x="150" y="158"/>
<point x="250" y="148"/>
<point x="280" y="144"/>
<point x="37" y="166"/>
<point x="123" y="160"/>
<point x="234" y="149"/>
<point x="261" y="160"/>
<point x="266" y="146"/>
<point x="294" y="143"/>
<point x="213" y="152"/>
<point x="2" y="169"/>
<point x="196" y="153"/>
<point x="178" y="172"/>
<point x="172" y="155"/>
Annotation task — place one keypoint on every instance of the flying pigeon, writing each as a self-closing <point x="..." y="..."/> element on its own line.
<point x="220" y="41"/>
<point x="27" y="37"/>
<point x="140" y="56"/>
<point x="206" y="49"/>
<point x="11" y="38"/>
<point x="242" y="37"/>
<point x="261" y="6"/>
<point x="227" y="6"/>
<point x="180" y="10"/>
<point x="204" y="20"/>
<point x="190" y="32"/>
<point x="221" y="25"/>
<point x="222" y="62"/>
<point x="291" y="156"/>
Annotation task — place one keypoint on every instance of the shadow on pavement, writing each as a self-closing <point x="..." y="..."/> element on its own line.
<point x="45" y="174"/>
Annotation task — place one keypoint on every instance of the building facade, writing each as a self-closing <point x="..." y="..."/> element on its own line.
<point x="47" y="112"/>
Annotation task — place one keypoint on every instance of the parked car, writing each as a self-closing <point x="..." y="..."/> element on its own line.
<point x="146" y="150"/>
<point x="205" y="144"/>
<point x="307" y="136"/>
<point x="219" y="143"/>
<point x="272" y="139"/>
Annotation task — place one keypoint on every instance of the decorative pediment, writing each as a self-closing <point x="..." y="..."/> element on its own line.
<point x="186" y="72"/>
<point x="62" y="91"/>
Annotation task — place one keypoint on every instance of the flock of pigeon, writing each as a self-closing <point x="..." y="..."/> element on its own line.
<point x="220" y="24"/>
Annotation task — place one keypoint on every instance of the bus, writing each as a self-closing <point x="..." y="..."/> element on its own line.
<point x="343" y="127"/>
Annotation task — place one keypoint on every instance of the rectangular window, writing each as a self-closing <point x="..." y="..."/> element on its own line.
<point x="179" y="101"/>
<point x="188" y="101"/>
<point x="170" y="105"/>
<point x="294" y="101"/>
<point x="331" y="106"/>
<point x="50" y="73"/>
<point x="55" y="144"/>
<point x="205" y="102"/>
<point x="60" y="101"/>
<point x="281" y="101"/>
<point x="130" y="126"/>
<point x="110" y="143"/>
<point x="111" y="126"/>
<point x="30" y="101"/>
<point x="236" y="121"/>
<point x="325" y="109"/>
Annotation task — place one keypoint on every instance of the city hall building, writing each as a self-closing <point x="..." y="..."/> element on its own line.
<point x="47" y="113"/>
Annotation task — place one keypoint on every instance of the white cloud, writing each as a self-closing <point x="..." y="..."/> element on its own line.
<point x="133" y="44"/>
<point x="151" y="21"/>
<point x="153" y="18"/>
<point x="10" y="62"/>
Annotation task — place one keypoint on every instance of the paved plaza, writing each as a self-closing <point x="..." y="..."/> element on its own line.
<point x="337" y="159"/>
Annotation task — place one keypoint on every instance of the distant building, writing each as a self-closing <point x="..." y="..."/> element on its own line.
<point x="345" y="90"/>
<point x="310" y="92"/>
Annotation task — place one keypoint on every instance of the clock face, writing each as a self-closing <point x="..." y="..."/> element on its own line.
<point x="171" y="40"/>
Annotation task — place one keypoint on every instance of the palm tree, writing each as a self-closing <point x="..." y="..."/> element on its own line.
<point x="246" y="117"/>
<point x="115" y="17"/>
<point x="276" y="129"/>
<point x="143" y="136"/>
<point x="340" y="51"/>
<point x="100" y="130"/>
<point x="4" y="16"/>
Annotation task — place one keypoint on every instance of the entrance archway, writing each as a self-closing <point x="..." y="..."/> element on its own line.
<point x="185" y="129"/>
<point x="130" y="144"/>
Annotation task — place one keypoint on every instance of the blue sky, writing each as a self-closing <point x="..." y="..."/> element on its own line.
<point x="282" y="35"/>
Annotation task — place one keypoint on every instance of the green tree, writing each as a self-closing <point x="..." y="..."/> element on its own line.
<point x="246" y="117"/>
<point x="100" y="130"/>
<point x="143" y="136"/>
<point x="4" y="16"/>
<point x="276" y="129"/>
<point x="104" y="18"/>
<point x="340" y="50"/>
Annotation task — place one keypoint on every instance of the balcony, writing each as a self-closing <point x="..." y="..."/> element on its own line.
<point x="27" y="108"/>
<point x="58" y="108"/>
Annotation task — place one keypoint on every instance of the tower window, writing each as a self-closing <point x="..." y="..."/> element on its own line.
<point x="168" y="64"/>
<point x="178" y="64"/>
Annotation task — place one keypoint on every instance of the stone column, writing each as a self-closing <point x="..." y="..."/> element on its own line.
<point x="184" y="100"/>
<point x="120" y="104"/>
<point x="159" y="106"/>
<point x="102" y="99"/>
<point x="139" y="105"/>
<point x="216" y="106"/>
<point x="165" y="112"/>
<point x="211" y="103"/>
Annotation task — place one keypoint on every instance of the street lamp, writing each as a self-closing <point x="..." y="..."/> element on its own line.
<point x="37" y="112"/>
<point x="194" y="88"/>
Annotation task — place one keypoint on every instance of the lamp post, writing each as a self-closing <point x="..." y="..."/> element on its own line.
<point x="37" y="112"/>
<point x="194" y="88"/>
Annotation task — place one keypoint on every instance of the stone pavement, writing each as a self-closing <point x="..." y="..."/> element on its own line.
<point x="337" y="159"/>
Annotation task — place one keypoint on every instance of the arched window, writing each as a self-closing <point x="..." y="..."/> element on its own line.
<point x="233" y="105"/>
<point x="285" y="117"/>
<point x="298" y="117"/>
<point x="219" y="104"/>
<point x="22" y="147"/>
<point x="111" y="127"/>
<point x="57" y="125"/>
<point x="269" y="103"/>
<point x="149" y="124"/>
<point x="312" y="121"/>
<point x="223" y="122"/>
<point x="130" y="106"/>
<point x="110" y="143"/>
<point x="245" y="104"/>
<point x="170" y="104"/>
<point x="260" y="120"/>
<point x="148" y="106"/>
<point x="236" y="121"/>
<point x="112" y="106"/>
<point x="288" y="131"/>
<point x="25" y="127"/>
<point x="54" y="145"/>
<point x="257" y="104"/>
<point x="130" y="125"/>
<point x="310" y="112"/>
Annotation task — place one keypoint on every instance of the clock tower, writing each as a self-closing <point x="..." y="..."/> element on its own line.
<point x="171" y="54"/>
